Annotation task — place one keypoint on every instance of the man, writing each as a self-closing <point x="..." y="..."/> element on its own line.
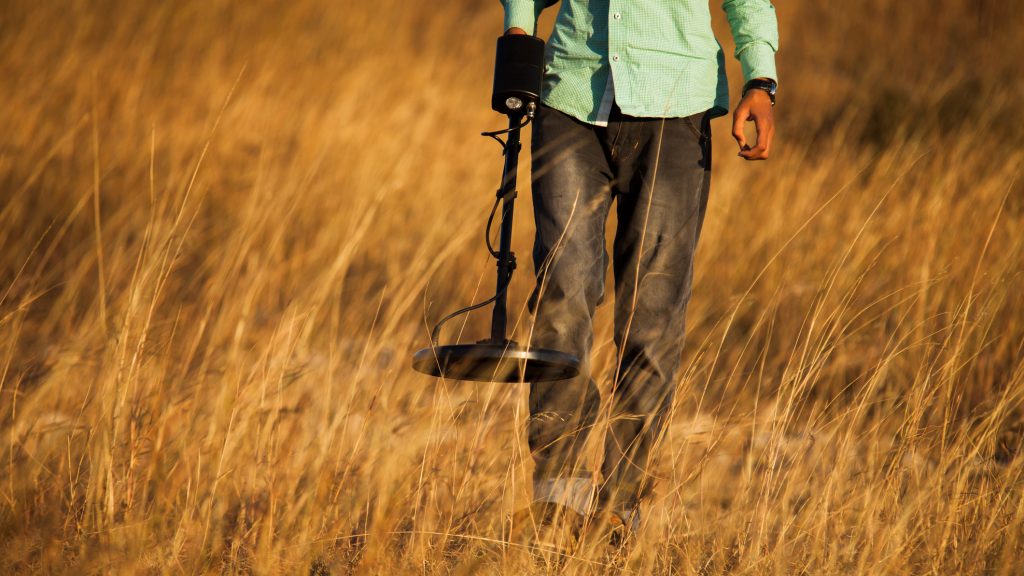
<point x="629" y="91"/>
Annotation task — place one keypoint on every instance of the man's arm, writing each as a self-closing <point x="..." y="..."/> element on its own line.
<point x="756" y="34"/>
<point x="521" y="15"/>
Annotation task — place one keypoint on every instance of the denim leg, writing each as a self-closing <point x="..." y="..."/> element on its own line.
<point x="663" y="170"/>
<point x="571" y="197"/>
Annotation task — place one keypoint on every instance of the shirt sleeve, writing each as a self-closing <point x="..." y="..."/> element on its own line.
<point x="756" y="33"/>
<point x="523" y="13"/>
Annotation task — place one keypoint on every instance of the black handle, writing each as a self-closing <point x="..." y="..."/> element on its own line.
<point x="518" y="71"/>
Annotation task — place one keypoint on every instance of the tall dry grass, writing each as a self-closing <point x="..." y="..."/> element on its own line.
<point x="225" y="226"/>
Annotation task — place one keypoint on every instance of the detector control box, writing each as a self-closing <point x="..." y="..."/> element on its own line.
<point x="518" y="72"/>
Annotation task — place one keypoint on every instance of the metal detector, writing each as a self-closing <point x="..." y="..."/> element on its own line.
<point x="518" y="70"/>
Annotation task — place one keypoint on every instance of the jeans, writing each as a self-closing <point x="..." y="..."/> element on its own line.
<point x="657" y="172"/>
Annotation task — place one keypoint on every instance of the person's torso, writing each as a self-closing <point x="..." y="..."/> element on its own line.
<point x="662" y="54"/>
<point x="592" y="30"/>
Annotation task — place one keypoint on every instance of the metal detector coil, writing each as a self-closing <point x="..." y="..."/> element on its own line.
<point x="519" y="69"/>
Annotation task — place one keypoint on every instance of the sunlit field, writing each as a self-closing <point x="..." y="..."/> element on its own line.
<point x="225" y="227"/>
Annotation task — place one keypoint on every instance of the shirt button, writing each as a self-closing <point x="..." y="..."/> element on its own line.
<point x="615" y="57"/>
<point x="617" y="16"/>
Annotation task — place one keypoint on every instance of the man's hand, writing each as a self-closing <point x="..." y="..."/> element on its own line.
<point x="512" y="31"/>
<point x="756" y="106"/>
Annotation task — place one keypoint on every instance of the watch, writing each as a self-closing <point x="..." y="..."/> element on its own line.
<point x="766" y="84"/>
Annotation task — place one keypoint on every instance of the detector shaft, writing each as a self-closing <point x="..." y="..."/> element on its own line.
<point x="506" y="258"/>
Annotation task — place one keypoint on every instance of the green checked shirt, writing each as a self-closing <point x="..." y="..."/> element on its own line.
<point x="654" y="58"/>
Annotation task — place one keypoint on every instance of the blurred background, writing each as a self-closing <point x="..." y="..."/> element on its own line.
<point x="225" y="226"/>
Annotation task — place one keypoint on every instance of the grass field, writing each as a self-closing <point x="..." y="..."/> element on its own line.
<point x="225" y="226"/>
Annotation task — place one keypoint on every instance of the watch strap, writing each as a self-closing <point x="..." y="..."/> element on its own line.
<point x="768" y="86"/>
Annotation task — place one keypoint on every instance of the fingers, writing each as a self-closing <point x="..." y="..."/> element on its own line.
<point x="765" y="134"/>
<point x="738" y="118"/>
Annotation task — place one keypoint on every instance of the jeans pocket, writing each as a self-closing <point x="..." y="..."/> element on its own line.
<point x="699" y="125"/>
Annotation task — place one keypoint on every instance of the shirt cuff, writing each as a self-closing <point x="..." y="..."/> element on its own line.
<point x="758" y="61"/>
<point x="521" y="14"/>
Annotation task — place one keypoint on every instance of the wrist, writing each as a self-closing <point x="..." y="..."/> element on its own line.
<point x="766" y="85"/>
